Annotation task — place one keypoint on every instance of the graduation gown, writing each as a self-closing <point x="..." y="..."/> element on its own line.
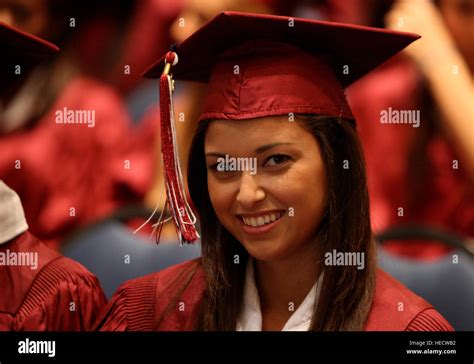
<point x="138" y="304"/>
<point x="58" y="295"/>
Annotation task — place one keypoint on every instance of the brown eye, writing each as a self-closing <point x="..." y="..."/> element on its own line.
<point x="213" y="167"/>
<point x="275" y="160"/>
<point x="222" y="174"/>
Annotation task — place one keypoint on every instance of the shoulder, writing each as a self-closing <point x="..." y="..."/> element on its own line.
<point x="66" y="269"/>
<point x="53" y="267"/>
<point x="396" y="308"/>
<point x="138" y="303"/>
<point x="56" y="293"/>
<point x="17" y="279"/>
<point x="64" y="276"/>
<point x="65" y="296"/>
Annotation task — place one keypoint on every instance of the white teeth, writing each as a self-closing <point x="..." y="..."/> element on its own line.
<point x="261" y="220"/>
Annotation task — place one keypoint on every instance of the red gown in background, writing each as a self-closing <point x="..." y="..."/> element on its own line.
<point x="446" y="199"/>
<point x="138" y="304"/>
<point x="72" y="174"/>
<point x="59" y="295"/>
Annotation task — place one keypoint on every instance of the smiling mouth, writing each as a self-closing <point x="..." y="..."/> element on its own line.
<point x="262" y="220"/>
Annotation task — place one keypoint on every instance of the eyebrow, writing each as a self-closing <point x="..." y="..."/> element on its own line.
<point x="259" y="150"/>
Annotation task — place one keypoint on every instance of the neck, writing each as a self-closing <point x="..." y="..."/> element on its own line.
<point x="284" y="284"/>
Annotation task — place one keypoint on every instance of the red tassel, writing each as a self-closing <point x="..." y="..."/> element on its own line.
<point x="182" y="214"/>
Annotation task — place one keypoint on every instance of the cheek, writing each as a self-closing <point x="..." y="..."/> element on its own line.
<point x="222" y="196"/>
<point x="306" y="192"/>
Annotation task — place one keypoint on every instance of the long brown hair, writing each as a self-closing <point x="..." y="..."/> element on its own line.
<point x="346" y="292"/>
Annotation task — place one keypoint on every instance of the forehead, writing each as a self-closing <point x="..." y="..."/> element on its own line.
<point x="251" y="133"/>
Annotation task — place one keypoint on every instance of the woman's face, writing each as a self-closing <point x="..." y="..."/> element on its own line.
<point x="273" y="198"/>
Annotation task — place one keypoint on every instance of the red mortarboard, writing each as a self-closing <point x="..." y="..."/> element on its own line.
<point x="20" y="47"/>
<point x="264" y="65"/>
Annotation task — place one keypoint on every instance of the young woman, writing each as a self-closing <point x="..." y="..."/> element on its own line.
<point x="278" y="180"/>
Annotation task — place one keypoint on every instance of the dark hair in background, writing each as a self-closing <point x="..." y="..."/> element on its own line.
<point x="346" y="293"/>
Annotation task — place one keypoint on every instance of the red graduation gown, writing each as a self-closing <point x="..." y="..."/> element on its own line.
<point x="59" y="295"/>
<point x="137" y="304"/>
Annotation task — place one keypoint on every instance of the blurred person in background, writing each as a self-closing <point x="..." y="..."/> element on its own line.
<point x="40" y="289"/>
<point x="421" y="174"/>
<point x="64" y="136"/>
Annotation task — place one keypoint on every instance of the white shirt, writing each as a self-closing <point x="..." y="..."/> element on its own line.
<point x="250" y="318"/>
<point x="12" y="217"/>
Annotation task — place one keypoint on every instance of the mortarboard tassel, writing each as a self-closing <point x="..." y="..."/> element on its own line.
<point x="182" y="213"/>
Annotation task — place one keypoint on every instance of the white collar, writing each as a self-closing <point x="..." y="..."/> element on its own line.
<point x="250" y="318"/>
<point x="12" y="217"/>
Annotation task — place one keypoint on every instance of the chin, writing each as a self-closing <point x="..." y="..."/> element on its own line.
<point x="266" y="251"/>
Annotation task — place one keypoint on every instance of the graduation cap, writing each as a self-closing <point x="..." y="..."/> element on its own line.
<point x="263" y="65"/>
<point x="21" y="49"/>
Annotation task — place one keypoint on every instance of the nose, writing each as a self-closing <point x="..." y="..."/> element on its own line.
<point x="250" y="192"/>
